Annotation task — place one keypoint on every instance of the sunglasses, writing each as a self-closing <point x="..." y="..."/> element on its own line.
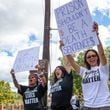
<point x="91" y="56"/>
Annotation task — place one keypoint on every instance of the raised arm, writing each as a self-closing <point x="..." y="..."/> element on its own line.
<point x="14" y="79"/>
<point x="67" y="64"/>
<point x="102" y="56"/>
<point x="69" y="61"/>
<point x="73" y="63"/>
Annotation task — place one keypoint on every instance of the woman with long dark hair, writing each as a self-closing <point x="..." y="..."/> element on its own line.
<point x="61" y="89"/>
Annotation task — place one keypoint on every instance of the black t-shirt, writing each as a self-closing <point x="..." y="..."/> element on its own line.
<point x="32" y="96"/>
<point x="62" y="92"/>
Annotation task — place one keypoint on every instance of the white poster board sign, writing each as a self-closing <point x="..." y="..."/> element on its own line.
<point x="75" y="26"/>
<point x="26" y="59"/>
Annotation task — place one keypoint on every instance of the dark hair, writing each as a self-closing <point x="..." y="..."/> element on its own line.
<point x="35" y="75"/>
<point x="63" y="72"/>
<point x="85" y="61"/>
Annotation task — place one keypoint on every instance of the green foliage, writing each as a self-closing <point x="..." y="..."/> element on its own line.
<point x="107" y="53"/>
<point x="80" y="59"/>
<point x="6" y="96"/>
<point x="17" y="98"/>
<point x="77" y="89"/>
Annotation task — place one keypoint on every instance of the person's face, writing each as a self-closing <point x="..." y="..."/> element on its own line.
<point x="58" y="73"/>
<point x="32" y="80"/>
<point x="42" y="78"/>
<point x="92" y="58"/>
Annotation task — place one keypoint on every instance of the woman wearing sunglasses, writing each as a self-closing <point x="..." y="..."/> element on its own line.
<point x="95" y="76"/>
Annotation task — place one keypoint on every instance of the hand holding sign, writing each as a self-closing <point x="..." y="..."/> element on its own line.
<point x="75" y="26"/>
<point x="95" y="27"/>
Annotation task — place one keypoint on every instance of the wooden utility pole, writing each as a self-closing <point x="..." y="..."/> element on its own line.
<point x="46" y="42"/>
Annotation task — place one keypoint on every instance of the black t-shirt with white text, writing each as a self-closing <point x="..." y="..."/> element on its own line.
<point x="62" y="92"/>
<point x="32" y="96"/>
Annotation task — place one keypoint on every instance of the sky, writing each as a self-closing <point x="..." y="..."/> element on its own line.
<point x="22" y="26"/>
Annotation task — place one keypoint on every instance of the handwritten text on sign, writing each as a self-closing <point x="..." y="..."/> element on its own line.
<point x="26" y="59"/>
<point x="75" y="26"/>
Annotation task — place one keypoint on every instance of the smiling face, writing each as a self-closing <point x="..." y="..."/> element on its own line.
<point x="32" y="80"/>
<point x="92" y="58"/>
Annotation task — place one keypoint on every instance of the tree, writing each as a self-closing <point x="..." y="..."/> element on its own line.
<point x="6" y="95"/>
<point x="77" y="88"/>
<point x="107" y="53"/>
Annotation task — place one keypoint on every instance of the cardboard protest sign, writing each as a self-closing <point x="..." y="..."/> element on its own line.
<point x="26" y="59"/>
<point x="75" y="26"/>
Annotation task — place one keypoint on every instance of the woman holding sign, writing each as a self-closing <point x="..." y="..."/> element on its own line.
<point x="61" y="89"/>
<point x="33" y="93"/>
<point x="94" y="77"/>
